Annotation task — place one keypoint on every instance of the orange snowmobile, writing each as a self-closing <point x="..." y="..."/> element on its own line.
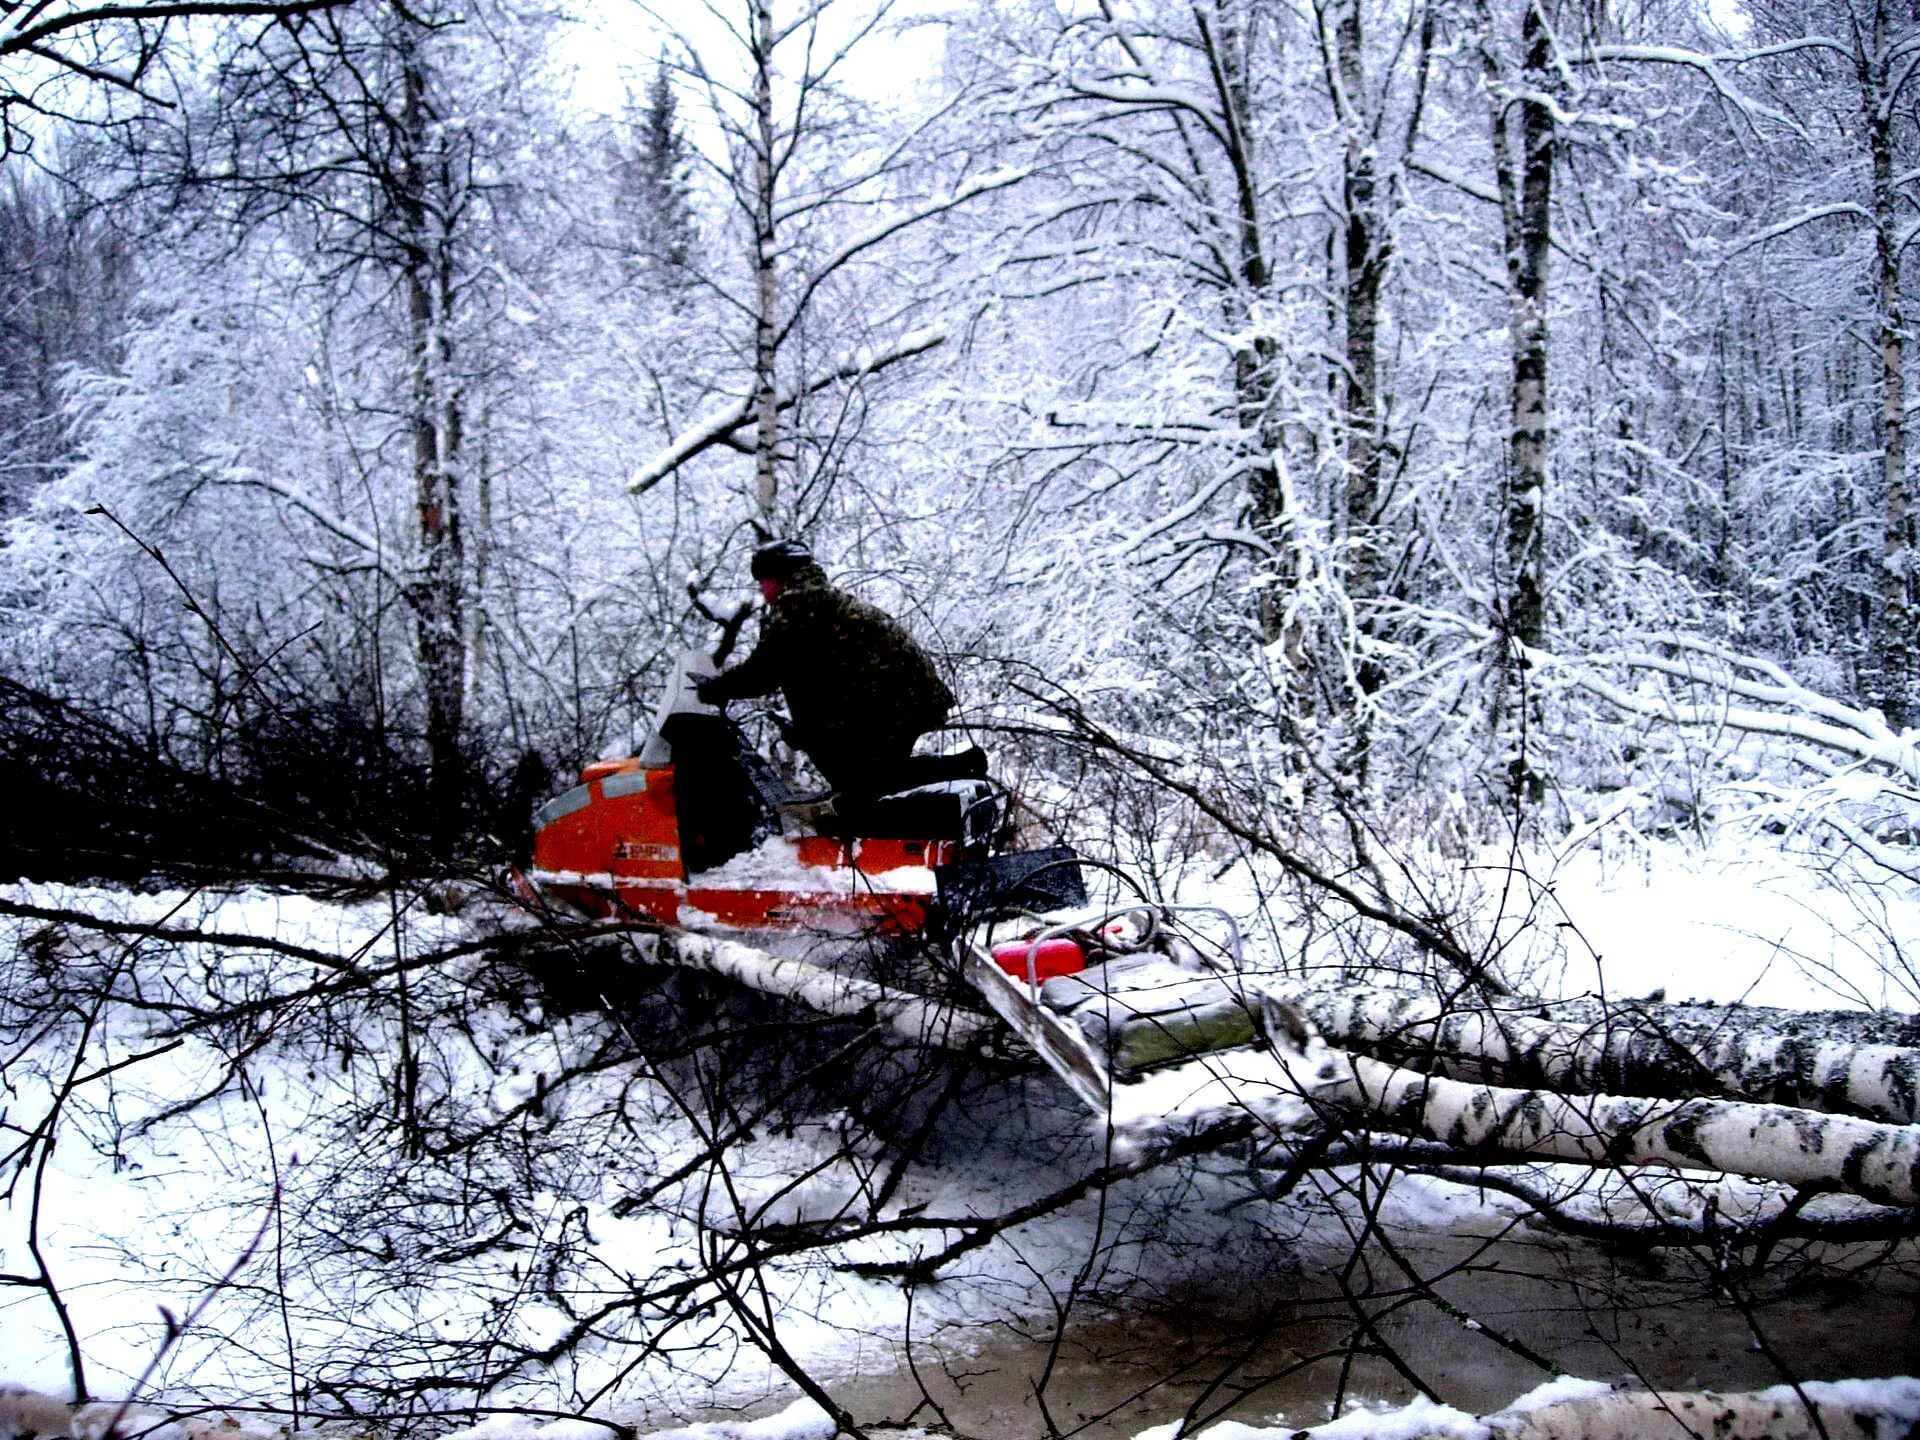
<point x="699" y="830"/>
<point x="699" y="833"/>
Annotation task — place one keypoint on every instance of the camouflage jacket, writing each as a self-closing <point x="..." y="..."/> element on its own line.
<point x="847" y="668"/>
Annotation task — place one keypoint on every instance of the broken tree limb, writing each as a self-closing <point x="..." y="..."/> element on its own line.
<point x="1729" y="1234"/>
<point x="1773" y="1142"/>
<point x="829" y="991"/>
<point x="1802" y="714"/>
<point x="1632" y="1049"/>
<point x="1693" y="1019"/>
<point x="735" y="416"/>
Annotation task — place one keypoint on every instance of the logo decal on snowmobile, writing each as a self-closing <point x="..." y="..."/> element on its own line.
<point x="645" y="850"/>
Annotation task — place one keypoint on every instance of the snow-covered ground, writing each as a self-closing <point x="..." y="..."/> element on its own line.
<point x="1733" y="920"/>
<point x="1872" y="1409"/>
<point x="264" y="1194"/>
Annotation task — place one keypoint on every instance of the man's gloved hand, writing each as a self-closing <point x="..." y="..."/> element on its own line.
<point x="700" y="688"/>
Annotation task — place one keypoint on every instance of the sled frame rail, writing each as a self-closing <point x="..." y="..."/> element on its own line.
<point x="1058" y="1042"/>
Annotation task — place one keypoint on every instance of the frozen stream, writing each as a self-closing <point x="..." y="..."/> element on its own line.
<point x="1631" y="1320"/>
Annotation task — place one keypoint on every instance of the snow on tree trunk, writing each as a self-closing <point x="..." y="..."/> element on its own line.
<point x="1893" y="651"/>
<point x="1852" y="1408"/>
<point x="1566" y="1409"/>
<point x="1366" y="247"/>
<point x="1527" y="257"/>
<point x="765" y="401"/>
<point x="1366" y="263"/>
<point x="1774" y="1142"/>
<point x="1223" y="41"/>
<point x="831" y="992"/>
<point x="1369" y="201"/>
<point x="1523" y="151"/>
<point x="436" y="423"/>
<point x="1635" y="1049"/>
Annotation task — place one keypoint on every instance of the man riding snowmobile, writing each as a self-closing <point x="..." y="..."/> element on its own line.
<point x="860" y="690"/>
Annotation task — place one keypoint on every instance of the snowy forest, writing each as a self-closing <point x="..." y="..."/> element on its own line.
<point x="1414" y="493"/>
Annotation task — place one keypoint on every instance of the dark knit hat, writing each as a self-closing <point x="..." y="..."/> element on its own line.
<point x="780" y="560"/>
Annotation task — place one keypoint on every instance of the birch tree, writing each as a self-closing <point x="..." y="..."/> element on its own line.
<point x="1519" y="89"/>
<point x="1883" y="47"/>
<point x="820" y="186"/>
<point x="1379" y="140"/>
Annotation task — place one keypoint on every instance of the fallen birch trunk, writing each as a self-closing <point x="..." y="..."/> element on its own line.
<point x="1633" y="1050"/>
<point x="1693" y="1019"/>
<point x="829" y="991"/>
<point x="1849" y="1407"/>
<point x="1774" y="1142"/>
<point x="1856" y="1409"/>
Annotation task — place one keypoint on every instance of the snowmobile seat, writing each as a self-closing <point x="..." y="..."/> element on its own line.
<point x="1028" y="880"/>
<point x="962" y="810"/>
<point x="919" y="770"/>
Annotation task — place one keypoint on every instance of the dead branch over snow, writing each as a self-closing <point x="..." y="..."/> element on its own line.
<point x="1743" y="693"/>
<point x="1633" y="1049"/>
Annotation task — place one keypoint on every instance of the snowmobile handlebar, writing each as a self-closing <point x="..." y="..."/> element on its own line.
<point x="730" y="625"/>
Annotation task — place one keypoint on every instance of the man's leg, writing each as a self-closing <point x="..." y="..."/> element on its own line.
<point x="861" y="766"/>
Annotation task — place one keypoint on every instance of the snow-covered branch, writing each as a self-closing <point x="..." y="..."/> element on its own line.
<point x="893" y="225"/>
<point x="1805" y="715"/>
<point x="1806" y="217"/>
<point x="1708" y="65"/>
<point x="1156" y="97"/>
<point x="329" y="520"/>
<point x="719" y="427"/>
<point x="1478" y="189"/>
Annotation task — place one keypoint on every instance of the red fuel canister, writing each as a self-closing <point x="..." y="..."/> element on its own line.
<point x="1058" y="956"/>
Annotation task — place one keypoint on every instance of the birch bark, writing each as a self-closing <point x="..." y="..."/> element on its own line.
<point x="1637" y="1049"/>
<point x="1523" y="151"/>
<point x="766" y="289"/>
<point x="1894" y="643"/>
<point x="1774" y="1142"/>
